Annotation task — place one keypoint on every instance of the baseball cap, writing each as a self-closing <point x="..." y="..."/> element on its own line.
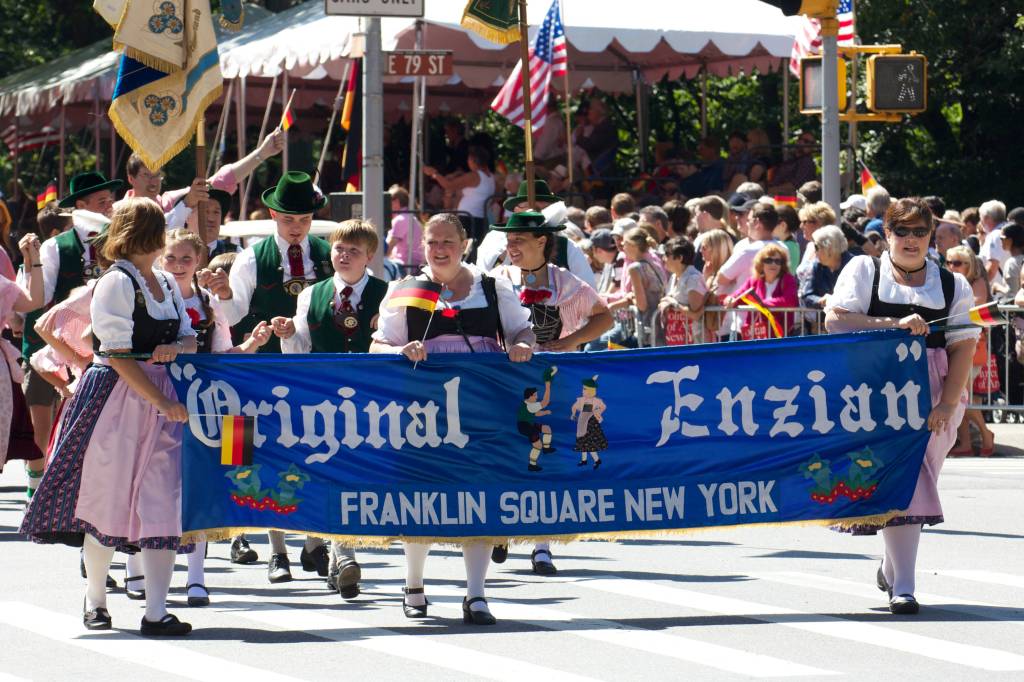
<point x="622" y="225"/>
<point x="738" y="200"/>
<point x="603" y="239"/>
<point x="855" y="201"/>
<point x="874" y="226"/>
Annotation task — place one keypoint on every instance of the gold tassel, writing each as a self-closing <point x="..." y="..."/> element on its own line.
<point x="506" y="37"/>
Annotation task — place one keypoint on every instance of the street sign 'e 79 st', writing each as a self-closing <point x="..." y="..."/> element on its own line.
<point x="418" y="63"/>
<point x="375" y="8"/>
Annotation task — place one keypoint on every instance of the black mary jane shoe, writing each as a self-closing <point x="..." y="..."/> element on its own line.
<point x="904" y="605"/>
<point x="198" y="601"/>
<point x="131" y="592"/>
<point x="96" y="619"/>
<point x="882" y="583"/>
<point x="318" y="560"/>
<point x="168" y="626"/>
<point x="410" y="610"/>
<point x="471" y="617"/>
<point x="542" y="566"/>
<point x="499" y="553"/>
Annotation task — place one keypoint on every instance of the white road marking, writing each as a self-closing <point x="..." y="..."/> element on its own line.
<point x="830" y="626"/>
<point x="610" y="632"/>
<point x="423" y="649"/>
<point x="160" y="655"/>
<point x="990" y="577"/>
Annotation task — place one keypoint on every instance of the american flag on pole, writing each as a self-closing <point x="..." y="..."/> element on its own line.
<point x="548" y="57"/>
<point x="808" y="37"/>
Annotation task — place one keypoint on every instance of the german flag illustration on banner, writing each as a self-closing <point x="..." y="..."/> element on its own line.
<point x="236" y="440"/>
<point x="416" y="293"/>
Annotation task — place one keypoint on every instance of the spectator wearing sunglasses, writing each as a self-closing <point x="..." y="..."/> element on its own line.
<point x="771" y="283"/>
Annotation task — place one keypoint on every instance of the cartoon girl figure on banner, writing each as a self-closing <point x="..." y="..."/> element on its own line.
<point x="590" y="409"/>
<point x="526" y="420"/>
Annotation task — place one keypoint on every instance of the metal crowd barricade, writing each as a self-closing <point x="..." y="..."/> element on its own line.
<point x="996" y="385"/>
<point x="802" y="322"/>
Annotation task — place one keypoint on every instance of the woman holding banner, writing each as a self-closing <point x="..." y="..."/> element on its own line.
<point x="478" y="314"/>
<point x="115" y="476"/>
<point x="905" y="290"/>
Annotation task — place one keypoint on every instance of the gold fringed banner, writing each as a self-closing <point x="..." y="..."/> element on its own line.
<point x="495" y="20"/>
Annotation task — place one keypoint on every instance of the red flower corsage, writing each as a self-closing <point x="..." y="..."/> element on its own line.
<point x="532" y="296"/>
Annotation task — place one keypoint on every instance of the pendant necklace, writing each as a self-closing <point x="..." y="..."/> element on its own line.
<point x="907" y="273"/>
<point x="531" y="278"/>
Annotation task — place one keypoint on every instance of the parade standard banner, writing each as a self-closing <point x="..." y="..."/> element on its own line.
<point x="616" y="444"/>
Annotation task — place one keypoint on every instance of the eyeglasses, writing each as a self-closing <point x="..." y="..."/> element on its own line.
<point x="955" y="263"/>
<point x="917" y="232"/>
<point x="772" y="261"/>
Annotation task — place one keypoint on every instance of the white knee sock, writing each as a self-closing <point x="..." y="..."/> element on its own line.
<point x="415" y="561"/>
<point x="901" y="544"/>
<point x="543" y="547"/>
<point x="312" y="543"/>
<point x="197" y="567"/>
<point x="159" y="566"/>
<point x="477" y="557"/>
<point x="97" y="563"/>
<point x="277" y="545"/>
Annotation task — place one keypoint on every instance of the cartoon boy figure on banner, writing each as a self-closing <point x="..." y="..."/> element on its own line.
<point x="590" y="438"/>
<point x="526" y="420"/>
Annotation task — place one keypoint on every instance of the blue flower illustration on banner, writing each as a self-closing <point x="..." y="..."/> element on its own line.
<point x="166" y="20"/>
<point x="160" y="108"/>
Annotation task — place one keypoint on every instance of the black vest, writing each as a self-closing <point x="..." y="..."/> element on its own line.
<point x="147" y="332"/>
<point x="485" y="322"/>
<point x="879" y="308"/>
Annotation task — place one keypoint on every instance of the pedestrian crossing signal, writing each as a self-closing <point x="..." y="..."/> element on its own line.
<point x="812" y="88"/>
<point x="897" y="83"/>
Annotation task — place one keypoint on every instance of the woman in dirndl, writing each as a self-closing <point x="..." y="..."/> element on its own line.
<point x="474" y="312"/>
<point x="115" y="477"/>
<point x="905" y="290"/>
<point x="588" y="411"/>
<point x="17" y="440"/>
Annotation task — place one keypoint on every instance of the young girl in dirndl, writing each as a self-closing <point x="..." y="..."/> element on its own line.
<point x="115" y="477"/>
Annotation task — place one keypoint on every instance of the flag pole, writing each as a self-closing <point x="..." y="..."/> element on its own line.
<point x="425" y="331"/>
<point x="330" y="126"/>
<point x="201" y="225"/>
<point x="263" y="131"/>
<point x="524" y="70"/>
<point x="568" y="102"/>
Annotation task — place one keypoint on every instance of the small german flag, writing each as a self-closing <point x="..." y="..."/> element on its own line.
<point x="416" y="293"/>
<point x="287" y="118"/>
<point x="236" y="440"/>
<point x="785" y="200"/>
<point x="987" y="315"/>
<point x="751" y="299"/>
<point x="48" y="195"/>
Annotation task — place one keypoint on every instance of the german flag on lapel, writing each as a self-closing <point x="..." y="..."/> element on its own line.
<point x="236" y="440"/>
<point x="415" y="293"/>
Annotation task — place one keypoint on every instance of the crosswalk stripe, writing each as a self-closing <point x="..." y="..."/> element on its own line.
<point x="163" y="656"/>
<point x="617" y="634"/>
<point x="859" y="589"/>
<point x="830" y="626"/>
<point x="423" y="649"/>
<point x="991" y="577"/>
<point x="6" y="677"/>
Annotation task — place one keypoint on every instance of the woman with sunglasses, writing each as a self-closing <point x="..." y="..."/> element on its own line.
<point x="772" y="284"/>
<point x="904" y="290"/>
<point x="963" y="261"/>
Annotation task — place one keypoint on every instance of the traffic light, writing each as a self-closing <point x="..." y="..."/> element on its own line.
<point x="897" y="83"/>
<point x="812" y="8"/>
<point x="811" y="87"/>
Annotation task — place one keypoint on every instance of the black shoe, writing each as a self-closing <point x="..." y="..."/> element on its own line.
<point x="279" y="569"/>
<point x="534" y="467"/>
<point x="198" y="601"/>
<point x="131" y="592"/>
<point x="597" y="464"/>
<point x="317" y="560"/>
<point x="882" y="583"/>
<point x="414" y="611"/>
<point x="111" y="583"/>
<point x="241" y="553"/>
<point x="581" y="464"/>
<point x="499" y="553"/>
<point x="348" y="577"/>
<point x="904" y="605"/>
<point x="540" y="566"/>
<point x="469" y="616"/>
<point x="547" y="449"/>
<point x="168" y="626"/>
<point x="96" y="619"/>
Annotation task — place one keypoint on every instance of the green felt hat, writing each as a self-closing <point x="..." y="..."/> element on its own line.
<point x="591" y="382"/>
<point x="527" y="221"/>
<point x="541" y="192"/>
<point x="295" y="194"/>
<point x="84" y="184"/>
<point x="223" y="198"/>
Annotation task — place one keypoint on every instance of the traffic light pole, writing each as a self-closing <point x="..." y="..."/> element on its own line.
<point x="830" y="113"/>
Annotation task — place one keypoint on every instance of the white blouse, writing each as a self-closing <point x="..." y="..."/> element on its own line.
<point x="393" y="330"/>
<point x="113" y="302"/>
<point x="220" y="333"/>
<point x="852" y="293"/>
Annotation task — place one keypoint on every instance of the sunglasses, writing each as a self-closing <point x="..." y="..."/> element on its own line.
<point x="773" y="261"/>
<point x="917" y="232"/>
<point x="955" y="263"/>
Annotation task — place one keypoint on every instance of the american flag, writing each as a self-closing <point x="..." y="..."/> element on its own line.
<point x="808" y="37"/>
<point x="27" y="141"/>
<point x="548" y="57"/>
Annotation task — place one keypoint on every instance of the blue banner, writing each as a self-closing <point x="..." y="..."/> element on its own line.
<point x="574" y="444"/>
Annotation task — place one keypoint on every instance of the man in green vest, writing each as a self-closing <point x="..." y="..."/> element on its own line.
<point x="265" y="283"/>
<point x="338" y="315"/>
<point x="67" y="261"/>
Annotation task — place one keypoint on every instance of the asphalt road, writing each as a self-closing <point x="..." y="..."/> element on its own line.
<point x="757" y="602"/>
